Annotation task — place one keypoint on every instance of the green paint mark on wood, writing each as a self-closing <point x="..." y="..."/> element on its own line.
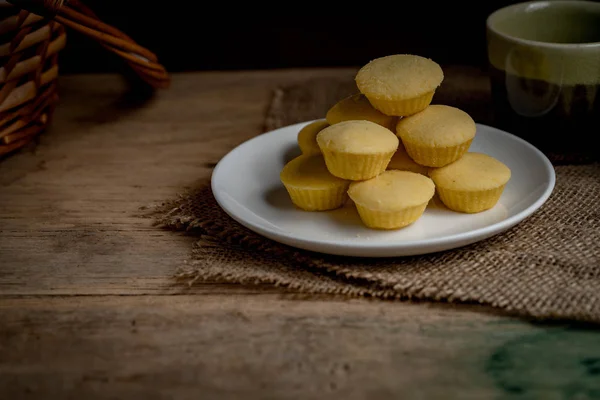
<point x="592" y="365"/>
<point x="554" y="364"/>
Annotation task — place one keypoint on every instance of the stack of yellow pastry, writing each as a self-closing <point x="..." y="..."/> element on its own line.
<point x="389" y="150"/>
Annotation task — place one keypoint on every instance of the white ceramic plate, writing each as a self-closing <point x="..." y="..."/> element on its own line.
<point x="246" y="185"/>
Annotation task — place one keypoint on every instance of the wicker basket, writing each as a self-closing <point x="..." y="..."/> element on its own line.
<point x="32" y="33"/>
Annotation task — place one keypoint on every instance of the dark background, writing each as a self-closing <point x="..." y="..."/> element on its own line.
<point x="206" y="36"/>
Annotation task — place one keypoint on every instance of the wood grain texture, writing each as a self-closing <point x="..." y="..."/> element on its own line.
<point x="69" y="210"/>
<point x="87" y="309"/>
<point x="266" y="347"/>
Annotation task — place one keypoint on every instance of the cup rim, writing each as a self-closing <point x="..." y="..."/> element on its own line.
<point x="494" y="14"/>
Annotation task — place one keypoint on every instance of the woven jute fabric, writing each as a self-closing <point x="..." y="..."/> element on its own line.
<point x="547" y="267"/>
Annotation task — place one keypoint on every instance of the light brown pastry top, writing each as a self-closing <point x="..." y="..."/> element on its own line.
<point x="402" y="162"/>
<point x="307" y="137"/>
<point x="358" y="107"/>
<point x="472" y="172"/>
<point x="309" y="172"/>
<point x="438" y="126"/>
<point x="358" y="137"/>
<point x="399" y="76"/>
<point x="392" y="191"/>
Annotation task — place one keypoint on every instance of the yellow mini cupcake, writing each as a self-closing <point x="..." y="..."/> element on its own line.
<point x="393" y="199"/>
<point x="400" y="84"/>
<point x="310" y="185"/>
<point x="472" y="184"/>
<point x="437" y="135"/>
<point x="307" y="137"/>
<point x="402" y="162"/>
<point x="358" y="107"/>
<point x="357" y="150"/>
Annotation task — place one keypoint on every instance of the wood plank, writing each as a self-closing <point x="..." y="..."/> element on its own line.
<point x="69" y="210"/>
<point x="272" y="347"/>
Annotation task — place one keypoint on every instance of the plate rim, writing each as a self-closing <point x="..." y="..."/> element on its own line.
<point x="440" y="243"/>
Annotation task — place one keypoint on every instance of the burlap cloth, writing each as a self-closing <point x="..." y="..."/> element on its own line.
<point x="547" y="267"/>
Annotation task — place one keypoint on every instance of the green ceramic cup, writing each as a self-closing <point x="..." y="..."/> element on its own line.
<point x="544" y="65"/>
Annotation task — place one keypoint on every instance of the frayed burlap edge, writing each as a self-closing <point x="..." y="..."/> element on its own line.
<point x="227" y="252"/>
<point x="298" y="269"/>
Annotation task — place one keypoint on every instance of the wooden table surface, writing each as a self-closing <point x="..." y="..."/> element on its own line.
<point x="88" y="309"/>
